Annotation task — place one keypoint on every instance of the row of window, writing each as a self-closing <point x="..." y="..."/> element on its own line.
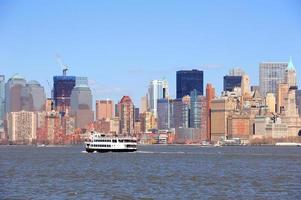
<point x="115" y="141"/>
<point x="100" y="145"/>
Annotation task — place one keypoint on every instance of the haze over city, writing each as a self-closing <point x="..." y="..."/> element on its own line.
<point x="122" y="45"/>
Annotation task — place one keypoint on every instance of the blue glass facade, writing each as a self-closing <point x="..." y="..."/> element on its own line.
<point x="188" y="80"/>
<point x="230" y="82"/>
<point x="62" y="88"/>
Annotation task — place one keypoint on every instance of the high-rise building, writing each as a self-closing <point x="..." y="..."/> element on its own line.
<point x="158" y="89"/>
<point x="188" y="80"/>
<point x="49" y="105"/>
<point x="220" y="110"/>
<point x="126" y="115"/>
<point x="22" y="127"/>
<point x="282" y="91"/>
<point x="164" y="114"/>
<point x="290" y="75"/>
<point x="177" y="118"/>
<point x="144" y="104"/>
<point x="298" y="101"/>
<point x="270" y="75"/>
<point x="136" y="114"/>
<point x="245" y="85"/>
<point x="62" y="88"/>
<point x="270" y="102"/>
<point x="148" y="121"/>
<point x="104" y="109"/>
<point x="81" y="103"/>
<point x="198" y="114"/>
<point x="236" y="72"/>
<point x="13" y="90"/>
<point x="33" y="97"/>
<point x="2" y="97"/>
<point x="230" y="82"/>
<point x="210" y="94"/>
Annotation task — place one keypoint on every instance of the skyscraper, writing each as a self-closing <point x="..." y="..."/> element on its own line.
<point x="22" y="127"/>
<point x="188" y="80"/>
<point x="230" y="82"/>
<point x="164" y="114"/>
<point x="270" y="75"/>
<point x="2" y="97"/>
<point x="158" y="89"/>
<point x="298" y="101"/>
<point x="126" y="115"/>
<point x="13" y="89"/>
<point x="210" y="95"/>
<point x="144" y="104"/>
<point x="104" y="109"/>
<point x="62" y="88"/>
<point x="81" y="103"/>
<point x="198" y="113"/>
<point x="33" y="97"/>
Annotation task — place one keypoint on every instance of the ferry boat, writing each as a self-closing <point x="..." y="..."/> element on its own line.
<point x="98" y="142"/>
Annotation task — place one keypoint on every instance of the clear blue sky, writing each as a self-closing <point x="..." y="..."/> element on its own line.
<point x="122" y="45"/>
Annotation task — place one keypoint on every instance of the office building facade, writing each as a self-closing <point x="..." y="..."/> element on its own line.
<point x="188" y="80"/>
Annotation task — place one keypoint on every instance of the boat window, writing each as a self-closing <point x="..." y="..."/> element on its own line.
<point x="114" y="141"/>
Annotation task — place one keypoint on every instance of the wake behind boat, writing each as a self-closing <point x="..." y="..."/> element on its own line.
<point x="98" y="142"/>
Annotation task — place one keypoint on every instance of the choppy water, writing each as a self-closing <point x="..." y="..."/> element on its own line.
<point x="154" y="172"/>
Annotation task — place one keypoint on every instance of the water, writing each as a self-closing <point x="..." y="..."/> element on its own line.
<point x="154" y="172"/>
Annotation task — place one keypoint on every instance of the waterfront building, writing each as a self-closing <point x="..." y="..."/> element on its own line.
<point x="115" y="125"/>
<point x="177" y="118"/>
<point x="126" y="115"/>
<point x="104" y="109"/>
<point x="198" y="113"/>
<point x="13" y="89"/>
<point x="270" y="102"/>
<point x="187" y="135"/>
<point x="282" y="91"/>
<point x="2" y="99"/>
<point x="270" y="75"/>
<point x="22" y="127"/>
<point x="210" y="95"/>
<point x="265" y="127"/>
<point x="158" y="89"/>
<point x="221" y="108"/>
<point x="240" y="126"/>
<point x="33" y="97"/>
<point x="81" y="103"/>
<point x="164" y="114"/>
<point x="188" y="80"/>
<point x="148" y="122"/>
<point x="62" y="88"/>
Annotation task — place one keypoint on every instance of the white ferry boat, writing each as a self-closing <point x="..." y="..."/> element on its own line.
<point x="98" y="142"/>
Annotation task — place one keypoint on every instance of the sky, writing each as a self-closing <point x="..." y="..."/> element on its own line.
<point x="121" y="45"/>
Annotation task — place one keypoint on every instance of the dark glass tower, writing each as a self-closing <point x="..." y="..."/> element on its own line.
<point x="188" y="80"/>
<point x="62" y="88"/>
<point x="230" y="82"/>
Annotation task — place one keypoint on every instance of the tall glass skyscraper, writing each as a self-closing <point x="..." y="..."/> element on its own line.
<point x="62" y="88"/>
<point x="158" y="89"/>
<point x="13" y="90"/>
<point x="270" y="75"/>
<point x="33" y="97"/>
<point x="81" y="103"/>
<point x="188" y="80"/>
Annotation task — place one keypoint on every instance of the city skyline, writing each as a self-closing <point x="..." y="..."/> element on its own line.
<point x="85" y="35"/>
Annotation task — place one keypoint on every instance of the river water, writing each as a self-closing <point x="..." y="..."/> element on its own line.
<point x="154" y="172"/>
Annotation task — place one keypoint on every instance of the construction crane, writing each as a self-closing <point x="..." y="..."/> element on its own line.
<point x="62" y="65"/>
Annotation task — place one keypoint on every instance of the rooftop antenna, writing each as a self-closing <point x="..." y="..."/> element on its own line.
<point x="63" y="66"/>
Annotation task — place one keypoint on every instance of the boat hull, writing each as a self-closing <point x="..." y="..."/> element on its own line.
<point x="109" y="150"/>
